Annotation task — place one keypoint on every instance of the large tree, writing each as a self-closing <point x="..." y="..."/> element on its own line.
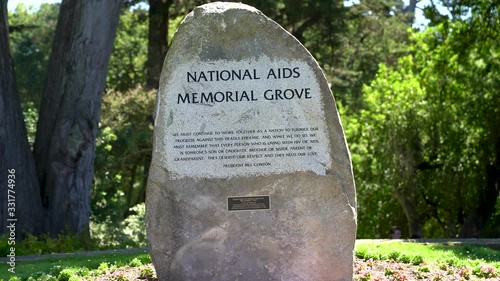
<point x="430" y="131"/>
<point x="56" y="197"/>
<point x="157" y="40"/>
<point x="15" y="155"/>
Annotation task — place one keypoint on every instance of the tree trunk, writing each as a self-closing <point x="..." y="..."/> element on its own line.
<point x="410" y="156"/>
<point x="157" y="50"/>
<point x="130" y="190"/>
<point x="157" y="41"/>
<point x="410" y="209"/>
<point x="70" y="110"/>
<point x="16" y="160"/>
<point x="488" y="193"/>
<point x="5" y="16"/>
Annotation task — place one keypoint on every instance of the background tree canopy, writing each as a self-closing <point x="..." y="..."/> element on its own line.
<point x="420" y="109"/>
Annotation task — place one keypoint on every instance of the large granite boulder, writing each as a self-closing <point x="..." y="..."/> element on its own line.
<point x="251" y="177"/>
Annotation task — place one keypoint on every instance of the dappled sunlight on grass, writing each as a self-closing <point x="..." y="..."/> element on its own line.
<point x="454" y="255"/>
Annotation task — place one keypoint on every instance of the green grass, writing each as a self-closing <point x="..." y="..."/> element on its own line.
<point x="25" y="268"/>
<point x="471" y="256"/>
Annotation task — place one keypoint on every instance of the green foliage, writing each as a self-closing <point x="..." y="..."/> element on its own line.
<point x="121" y="165"/>
<point x="126" y="66"/>
<point x="55" y="270"/>
<point x="452" y="262"/>
<point x="123" y="148"/>
<point x="420" y="112"/>
<point x="377" y="32"/>
<point x="465" y="273"/>
<point x="362" y="253"/>
<point x="4" y="245"/>
<point x="147" y="272"/>
<point x="388" y="271"/>
<point x="30" y="120"/>
<point x="417" y="259"/>
<point x="83" y="271"/>
<point x="405" y="258"/>
<point x="394" y="255"/>
<point x="31" y="40"/>
<point x="66" y="274"/>
<point x="135" y="263"/>
<point x="47" y="245"/>
<point x="424" y="268"/>
<point x="43" y="277"/>
<point x="485" y="271"/>
<point x="126" y="233"/>
<point x="428" y="134"/>
<point x="388" y="132"/>
<point x="103" y="268"/>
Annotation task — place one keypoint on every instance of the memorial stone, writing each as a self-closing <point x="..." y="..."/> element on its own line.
<point x="251" y="178"/>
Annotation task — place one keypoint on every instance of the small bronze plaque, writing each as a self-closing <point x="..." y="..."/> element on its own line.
<point x="248" y="203"/>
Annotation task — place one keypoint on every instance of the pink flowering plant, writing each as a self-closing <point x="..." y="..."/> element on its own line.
<point x="485" y="271"/>
<point x="465" y="273"/>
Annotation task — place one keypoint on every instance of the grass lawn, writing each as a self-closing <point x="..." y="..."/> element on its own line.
<point x="415" y="253"/>
<point x="404" y="256"/>
<point x="25" y="269"/>
<point x="397" y="261"/>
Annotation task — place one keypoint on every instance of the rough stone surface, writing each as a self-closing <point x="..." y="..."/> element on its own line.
<point x="241" y="133"/>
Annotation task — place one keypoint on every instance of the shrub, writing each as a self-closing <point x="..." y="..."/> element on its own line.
<point x="394" y="255"/>
<point x="416" y="260"/>
<point x="121" y="234"/>
<point x="465" y="272"/>
<point x="485" y="272"/>
<point x="365" y="275"/>
<point x="362" y="254"/>
<point x="424" y="268"/>
<point x="36" y="275"/>
<point x="44" y="244"/>
<point x="103" y="266"/>
<point x="83" y="271"/>
<point x="66" y="274"/>
<point x="443" y="266"/>
<point x="47" y="277"/>
<point x="405" y="258"/>
<point x="422" y="275"/>
<point x="147" y="272"/>
<point x="388" y="271"/>
<point x="55" y="270"/>
<point x="4" y="245"/>
<point x="135" y="263"/>
<point x="437" y="277"/>
<point x="452" y="261"/>
<point x="42" y="276"/>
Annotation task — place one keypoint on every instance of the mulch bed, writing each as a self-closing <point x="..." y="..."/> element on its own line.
<point x="364" y="270"/>
<point x="390" y="270"/>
